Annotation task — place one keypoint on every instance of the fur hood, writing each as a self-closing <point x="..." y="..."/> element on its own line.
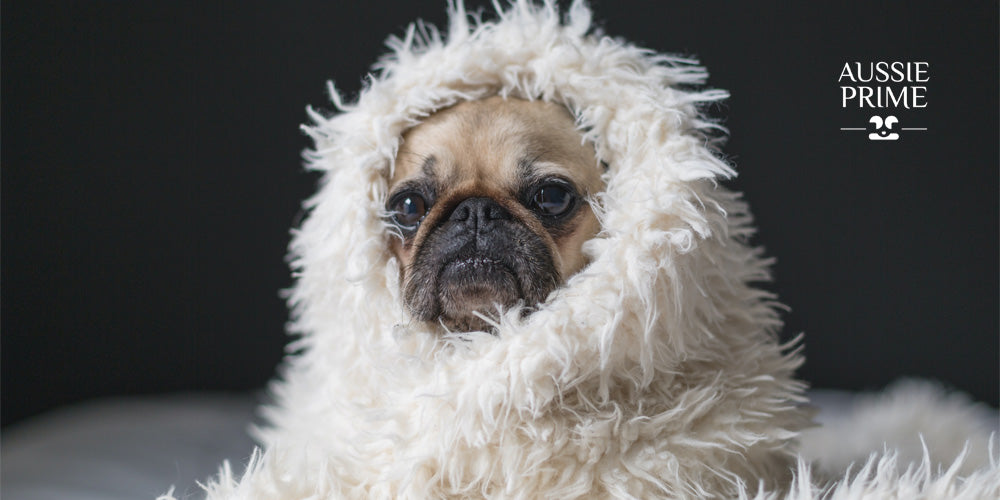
<point x="654" y="372"/>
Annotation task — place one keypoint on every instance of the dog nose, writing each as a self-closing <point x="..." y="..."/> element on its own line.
<point x="479" y="212"/>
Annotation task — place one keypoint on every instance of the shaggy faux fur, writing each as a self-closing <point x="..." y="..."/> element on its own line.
<point x="653" y="373"/>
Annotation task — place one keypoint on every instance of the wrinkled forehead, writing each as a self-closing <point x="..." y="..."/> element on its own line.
<point x="497" y="141"/>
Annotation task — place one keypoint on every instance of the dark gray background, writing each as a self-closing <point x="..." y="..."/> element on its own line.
<point x="151" y="172"/>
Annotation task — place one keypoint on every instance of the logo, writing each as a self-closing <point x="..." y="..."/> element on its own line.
<point x="889" y="86"/>
<point x="883" y="129"/>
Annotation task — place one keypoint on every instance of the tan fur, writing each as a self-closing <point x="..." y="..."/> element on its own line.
<point x="477" y="146"/>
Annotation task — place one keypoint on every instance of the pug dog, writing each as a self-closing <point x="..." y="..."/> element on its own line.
<point x="489" y="201"/>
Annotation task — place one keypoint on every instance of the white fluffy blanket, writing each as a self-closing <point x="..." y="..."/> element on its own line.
<point x="653" y="373"/>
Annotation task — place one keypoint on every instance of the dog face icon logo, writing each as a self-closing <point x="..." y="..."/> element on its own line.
<point x="883" y="128"/>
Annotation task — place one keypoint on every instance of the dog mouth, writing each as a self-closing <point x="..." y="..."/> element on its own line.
<point x="476" y="283"/>
<point x="475" y="265"/>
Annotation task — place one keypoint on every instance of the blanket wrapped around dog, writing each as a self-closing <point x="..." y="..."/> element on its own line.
<point x="655" y="372"/>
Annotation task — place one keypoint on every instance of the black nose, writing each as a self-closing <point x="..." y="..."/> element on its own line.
<point x="479" y="213"/>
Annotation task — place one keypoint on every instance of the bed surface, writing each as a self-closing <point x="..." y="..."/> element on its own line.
<point x="133" y="448"/>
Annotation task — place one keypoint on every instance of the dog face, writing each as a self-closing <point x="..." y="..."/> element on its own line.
<point x="489" y="198"/>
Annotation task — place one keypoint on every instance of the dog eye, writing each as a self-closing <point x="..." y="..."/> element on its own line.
<point x="408" y="210"/>
<point x="552" y="200"/>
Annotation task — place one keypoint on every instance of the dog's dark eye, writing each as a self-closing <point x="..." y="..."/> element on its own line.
<point x="408" y="210"/>
<point x="552" y="200"/>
